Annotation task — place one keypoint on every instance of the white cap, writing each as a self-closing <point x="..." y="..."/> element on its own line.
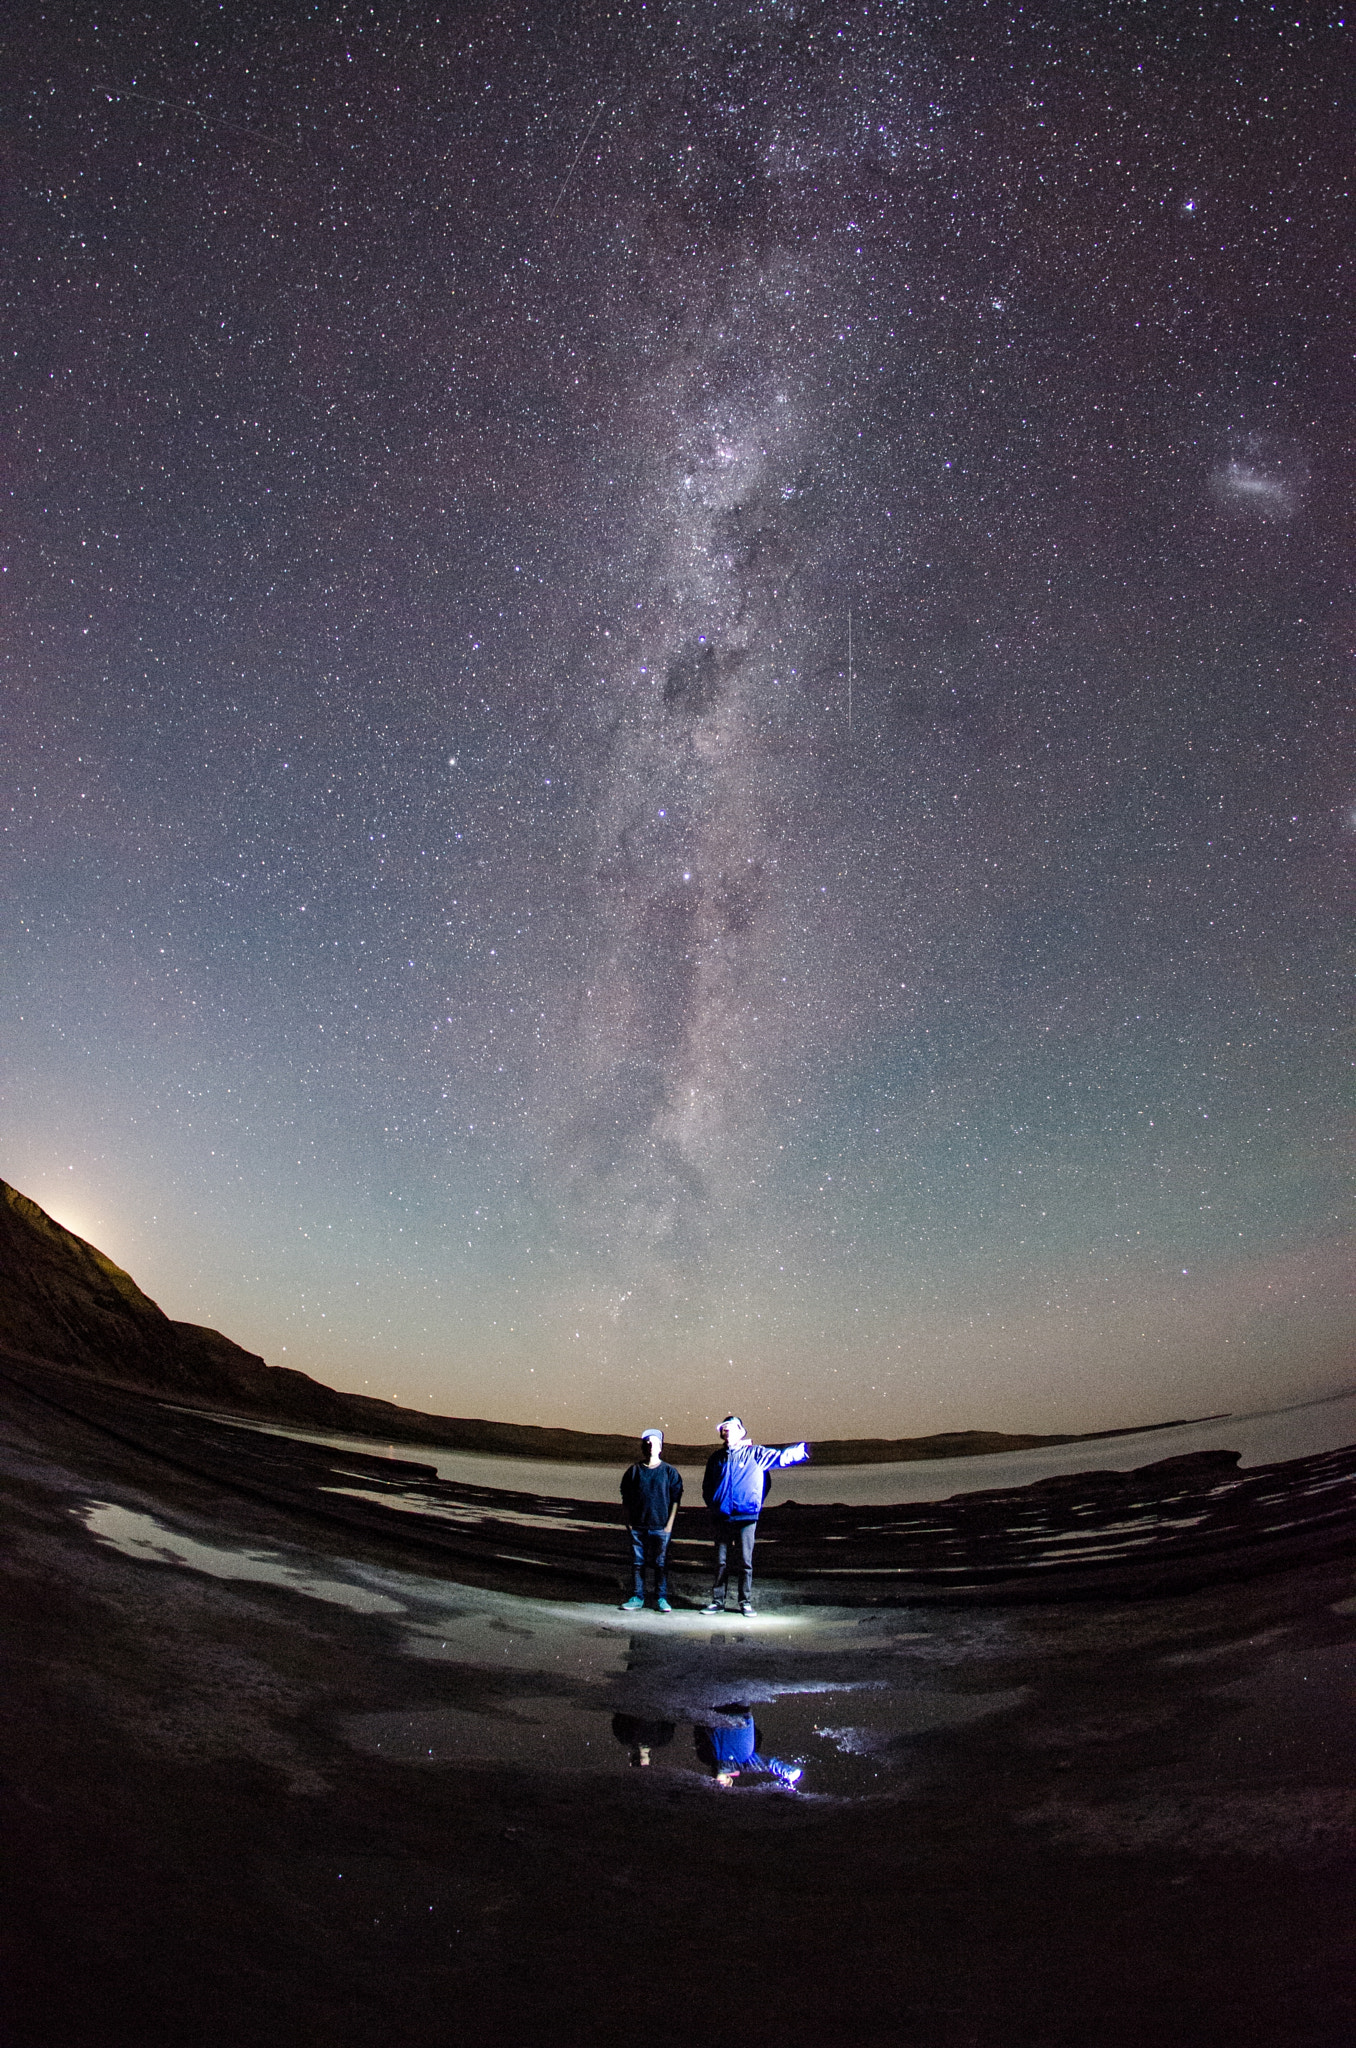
<point x="646" y="1433"/>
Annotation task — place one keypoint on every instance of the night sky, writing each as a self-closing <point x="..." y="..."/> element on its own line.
<point x="678" y="694"/>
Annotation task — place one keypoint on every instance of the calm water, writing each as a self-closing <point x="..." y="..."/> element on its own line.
<point x="835" y="1693"/>
<point x="858" y="1700"/>
<point x="1262" y="1439"/>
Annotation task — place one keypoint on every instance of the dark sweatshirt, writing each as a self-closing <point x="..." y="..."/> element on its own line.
<point x="650" y="1493"/>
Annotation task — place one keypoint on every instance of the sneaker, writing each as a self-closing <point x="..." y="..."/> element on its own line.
<point x="714" y="1607"/>
<point x="662" y="1607"/>
<point x="787" y="1774"/>
<point x="747" y="1607"/>
<point x="630" y="1606"/>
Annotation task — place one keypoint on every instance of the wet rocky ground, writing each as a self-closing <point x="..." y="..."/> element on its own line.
<point x="270" y="1774"/>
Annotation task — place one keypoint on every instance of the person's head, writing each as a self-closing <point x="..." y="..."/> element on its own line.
<point x="733" y="1432"/>
<point x="652" y="1443"/>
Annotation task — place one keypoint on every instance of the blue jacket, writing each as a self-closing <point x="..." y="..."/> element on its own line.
<point x="736" y="1481"/>
<point x="728" y="1748"/>
<point x="730" y="1751"/>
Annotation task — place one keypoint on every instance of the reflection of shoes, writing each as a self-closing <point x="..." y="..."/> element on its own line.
<point x="714" y="1607"/>
<point x="662" y="1607"/>
<point x="786" y="1774"/>
<point x="747" y="1607"/>
<point x="630" y="1606"/>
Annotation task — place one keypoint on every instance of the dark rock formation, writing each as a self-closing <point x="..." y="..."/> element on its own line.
<point x="1191" y="1471"/>
<point x="65" y="1302"/>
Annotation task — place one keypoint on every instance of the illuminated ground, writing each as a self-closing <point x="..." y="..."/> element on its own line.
<point x="265" y="1781"/>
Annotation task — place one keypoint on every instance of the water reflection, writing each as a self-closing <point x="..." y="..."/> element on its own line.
<point x="728" y="1745"/>
<point x="151" y="1542"/>
<point x="848" y="1708"/>
<point x="1242" y="1694"/>
<point x="641" y="1738"/>
<point x="732" y="1748"/>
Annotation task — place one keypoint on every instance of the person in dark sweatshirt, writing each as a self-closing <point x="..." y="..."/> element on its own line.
<point x="642" y="1737"/>
<point x="733" y="1489"/>
<point x="650" y="1491"/>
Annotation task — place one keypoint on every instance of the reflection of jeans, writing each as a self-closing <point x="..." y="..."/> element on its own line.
<point x="739" y="1537"/>
<point x="650" y="1547"/>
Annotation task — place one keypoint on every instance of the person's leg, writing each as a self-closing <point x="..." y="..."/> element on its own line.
<point x="661" y="1564"/>
<point x="722" y="1564"/>
<point x="637" y="1564"/>
<point x="747" y="1532"/>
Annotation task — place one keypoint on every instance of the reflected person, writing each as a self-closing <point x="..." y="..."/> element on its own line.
<point x="733" y="1488"/>
<point x="650" y="1491"/>
<point x="641" y="1737"/>
<point x="735" y="1750"/>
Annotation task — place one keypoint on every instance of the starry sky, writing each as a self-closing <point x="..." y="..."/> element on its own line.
<point x="678" y="690"/>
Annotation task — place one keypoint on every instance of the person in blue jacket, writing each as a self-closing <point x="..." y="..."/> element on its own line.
<point x="733" y="1749"/>
<point x="733" y="1489"/>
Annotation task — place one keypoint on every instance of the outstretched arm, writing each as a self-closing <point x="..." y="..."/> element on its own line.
<point x="794" y="1454"/>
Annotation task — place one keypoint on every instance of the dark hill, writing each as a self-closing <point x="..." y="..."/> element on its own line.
<point x="64" y="1303"/>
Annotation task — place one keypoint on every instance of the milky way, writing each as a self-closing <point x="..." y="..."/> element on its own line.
<point x="682" y="692"/>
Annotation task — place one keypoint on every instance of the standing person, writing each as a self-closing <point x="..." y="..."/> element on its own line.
<point x="733" y="1489"/>
<point x="650" y="1491"/>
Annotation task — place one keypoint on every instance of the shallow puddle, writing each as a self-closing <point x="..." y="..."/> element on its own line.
<point x="151" y="1542"/>
<point x="835" y="1703"/>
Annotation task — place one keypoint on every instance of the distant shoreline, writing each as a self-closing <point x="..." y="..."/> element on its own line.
<point x="67" y="1306"/>
<point x="373" y="1420"/>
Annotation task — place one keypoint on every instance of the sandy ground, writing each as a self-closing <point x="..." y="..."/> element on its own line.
<point x="268" y="1781"/>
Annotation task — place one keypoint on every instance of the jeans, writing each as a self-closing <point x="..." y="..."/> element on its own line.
<point x="650" y="1547"/>
<point x="739" y="1537"/>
